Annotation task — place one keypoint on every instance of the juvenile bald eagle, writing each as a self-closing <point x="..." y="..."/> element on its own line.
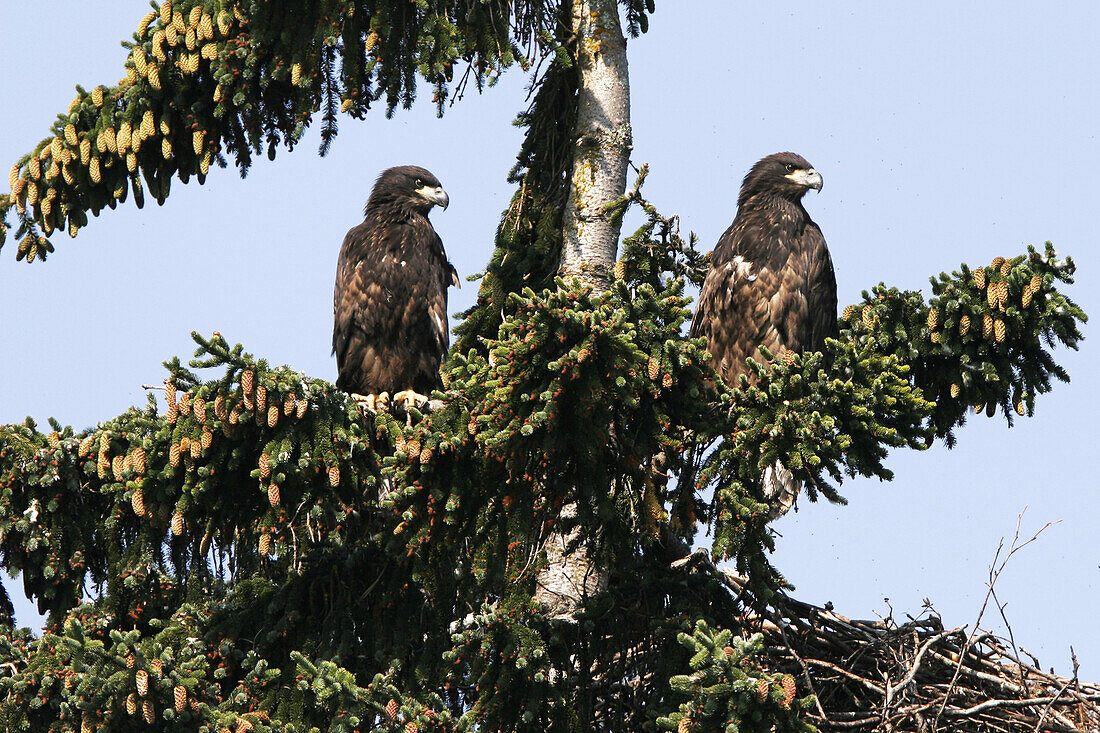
<point x="390" y="301"/>
<point x="770" y="283"/>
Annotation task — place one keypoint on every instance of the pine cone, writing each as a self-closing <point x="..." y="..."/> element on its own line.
<point x="933" y="317"/>
<point x="1020" y="408"/>
<point x="158" y="46"/>
<point x="157" y="665"/>
<point x="334" y="476"/>
<point x="1036" y="282"/>
<point x="247" y="380"/>
<point x="265" y="465"/>
<point x="148" y="712"/>
<point x="139" y="461"/>
<point x="85" y="448"/>
<point x="223" y="22"/>
<point x="399" y="443"/>
<point x="272" y="416"/>
<point x="425" y="456"/>
<point x="964" y="325"/>
<point x="684" y="726"/>
<point x="935" y="337"/>
<point x="180" y="693"/>
<point x="97" y="96"/>
<point x="288" y="404"/>
<point x="265" y="544"/>
<point x="391" y="710"/>
<point x="177" y="523"/>
<point x="868" y="316"/>
<point x="295" y="74"/>
<point x="987" y="325"/>
<point x="185" y="403"/>
<point x="130" y="661"/>
<point x="788" y="690"/>
<point x="992" y="295"/>
<point x="196" y="448"/>
<point x="137" y="502"/>
<point x="979" y="277"/>
<point x="999" y="330"/>
<point x="116" y="467"/>
<point x="303" y="405"/>
<point x="762" y="689"/>
<point x="219" y="407"/>
<point x="412" y="447"/>
<point x="955" y="389"/>
<point x="654" y="367"/>
<point x="273" y="495"/>
<point x="666" y="381"/>
<point x="174" y="455"/>
<point x="206" y="27"/>
<point x="261" y="397"/>
<point x="93" y="170"/>
<point x="620" y="270"/>
<point x="54" y="439"/>
<point x="849" y="311"/>
<point x="141" y="679"/>
<point x="411" y="727"/>
<point x="196" y="141"/>
<point x="243" y="726"/>
<point x="70" y="134"/>
<point x="131" y="704"/>
<point x="1025" y="299"/>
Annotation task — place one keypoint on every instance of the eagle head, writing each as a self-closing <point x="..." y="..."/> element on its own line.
<point x="783" y="174"/>
<point x="408" y="188"/>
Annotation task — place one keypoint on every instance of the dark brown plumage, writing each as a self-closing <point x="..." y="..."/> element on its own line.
<point x="771" y="279"/>
<point x="390" y="302"/>
<point x="770" y="283"/>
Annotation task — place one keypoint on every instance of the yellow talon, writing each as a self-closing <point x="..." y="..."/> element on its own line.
<point x="372" y="402"/>
<point x="409" y="398"/>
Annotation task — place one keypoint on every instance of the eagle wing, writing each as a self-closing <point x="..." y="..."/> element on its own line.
<point x="740" y="307"/>
<point x="822" y="289"/>
<point x="390" y="305"/>
<point x="764" y="291"/>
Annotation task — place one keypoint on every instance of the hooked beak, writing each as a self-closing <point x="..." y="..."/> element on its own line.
<point x="808" y="178"/>
<point x="435" y="194"/>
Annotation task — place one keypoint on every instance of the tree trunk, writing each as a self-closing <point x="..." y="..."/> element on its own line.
<point x="591" y="238"/>
<point x="603" y="142"/>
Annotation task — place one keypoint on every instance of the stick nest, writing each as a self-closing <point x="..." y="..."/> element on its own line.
<point x="917" y="676"/>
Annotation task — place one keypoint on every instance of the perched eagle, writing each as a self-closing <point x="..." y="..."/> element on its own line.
<point x="390" y="303"/>
<point x="770" y="283"/>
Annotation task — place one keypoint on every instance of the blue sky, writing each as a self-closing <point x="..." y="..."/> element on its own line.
<point x="945" y="132"/>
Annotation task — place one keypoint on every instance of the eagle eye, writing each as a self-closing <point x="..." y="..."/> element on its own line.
<point x="419" y="183"/>
<point x="790" y="167"/>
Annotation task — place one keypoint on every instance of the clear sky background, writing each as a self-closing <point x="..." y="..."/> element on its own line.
<point x="945" y="132"/>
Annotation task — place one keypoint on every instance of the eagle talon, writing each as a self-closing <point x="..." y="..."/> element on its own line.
<point x="372" y="402"/>
<point x="410" y="398"/>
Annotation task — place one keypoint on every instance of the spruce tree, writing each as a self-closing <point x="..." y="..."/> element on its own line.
<point x="264" y="555"/>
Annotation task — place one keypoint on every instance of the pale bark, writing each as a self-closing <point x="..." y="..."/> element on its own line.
<point x="603" y="142"/>
<point x="591" y="239"/>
